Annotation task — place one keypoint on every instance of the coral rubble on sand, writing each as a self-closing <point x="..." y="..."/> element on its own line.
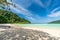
<point x="25" y="34"/>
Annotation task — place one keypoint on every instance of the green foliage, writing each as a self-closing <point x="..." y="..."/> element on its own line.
<point x="3" y="19"/>
<point x="9" y="17"/>
<point x="4" y="3"/>
<point x="55" y="22"/>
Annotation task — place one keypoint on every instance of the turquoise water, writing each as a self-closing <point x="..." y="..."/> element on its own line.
<point x="41" y="25"/>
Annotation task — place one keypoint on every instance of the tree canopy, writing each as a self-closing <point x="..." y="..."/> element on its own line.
<point x="55" y="22"/>
<point x="4" y="3"/>
<point x="10" y="17"/>
<point x="3" y="19"/>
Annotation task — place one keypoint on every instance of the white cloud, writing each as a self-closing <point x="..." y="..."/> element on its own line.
<point x="39" y="2"/>
<point x="26" y="13"/>
<point x="55" y="9"/>
<point x="55" y="13"/>
<point x="42" y="4"/>
<point x="25" y="3"/>
<point x="21" y="10"/>
<point x="31" y="18"/>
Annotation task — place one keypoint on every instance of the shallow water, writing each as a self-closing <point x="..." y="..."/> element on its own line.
<point x="41" y="25"/>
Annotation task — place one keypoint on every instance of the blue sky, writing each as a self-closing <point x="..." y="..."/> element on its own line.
<point x="37" y="11"/>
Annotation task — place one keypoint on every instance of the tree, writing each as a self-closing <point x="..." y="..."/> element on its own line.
<point x="4" y="3"/>
<point x="3" y="19"/>
<point x="10" y="17"/>
<point x="7" y="16"/>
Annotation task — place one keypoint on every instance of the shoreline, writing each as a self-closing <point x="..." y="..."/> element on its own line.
<point x="52" y="31"/>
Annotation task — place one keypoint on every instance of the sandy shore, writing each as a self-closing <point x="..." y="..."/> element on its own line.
<point x="21" y="32"/>
<point x="2" y="29"/>
<point x="52" y="31"/>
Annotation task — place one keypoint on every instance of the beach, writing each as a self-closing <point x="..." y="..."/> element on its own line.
<point x="18" y="32"/>
<point x="53" y="31"/>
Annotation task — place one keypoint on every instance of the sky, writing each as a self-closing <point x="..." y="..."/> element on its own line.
<point x="37" y="11"/>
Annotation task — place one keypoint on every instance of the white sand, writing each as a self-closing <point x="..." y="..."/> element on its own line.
<point x="52" y="31"/>
<point x="2" y="29"/>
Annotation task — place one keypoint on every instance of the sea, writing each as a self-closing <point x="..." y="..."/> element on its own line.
<point x="41" y="25"/>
